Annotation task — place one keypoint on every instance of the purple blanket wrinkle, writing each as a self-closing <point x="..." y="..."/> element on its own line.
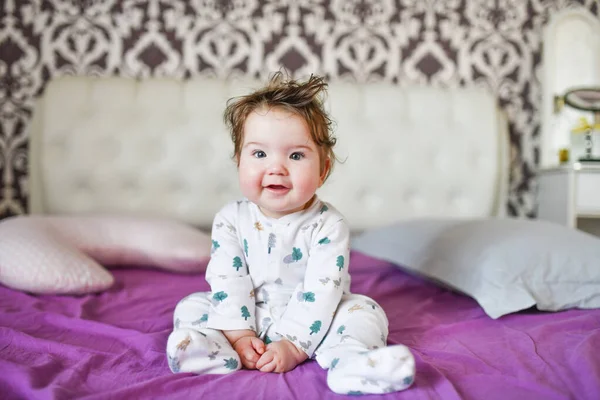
<point x="111" y="345"/>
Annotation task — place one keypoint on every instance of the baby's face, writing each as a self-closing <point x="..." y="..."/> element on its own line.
<point x="279" y="167"/>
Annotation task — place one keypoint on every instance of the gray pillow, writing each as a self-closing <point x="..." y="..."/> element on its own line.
<point x="506" y="265"/>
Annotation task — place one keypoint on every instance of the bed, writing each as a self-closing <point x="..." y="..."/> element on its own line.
<point x="128" y="174"/>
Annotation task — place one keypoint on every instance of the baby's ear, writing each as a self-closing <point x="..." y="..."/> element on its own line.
<point x="325" y="171"/>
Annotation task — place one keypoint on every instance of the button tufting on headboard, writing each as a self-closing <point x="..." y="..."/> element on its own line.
<point x="159" y="146"/>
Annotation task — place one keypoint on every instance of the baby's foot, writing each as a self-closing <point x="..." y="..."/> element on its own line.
<point x="388" y="369"/>
<point x="189" y="350"/>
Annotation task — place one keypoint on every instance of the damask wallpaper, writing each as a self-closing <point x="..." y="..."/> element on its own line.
<point x="496" y="43"/>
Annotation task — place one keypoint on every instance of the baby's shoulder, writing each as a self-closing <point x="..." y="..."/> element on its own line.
<point x="330" y="217"/>
<point x="234" y="211"/>
<point x="328" y="213"/>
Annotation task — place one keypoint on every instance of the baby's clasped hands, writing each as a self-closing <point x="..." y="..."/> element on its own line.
<point x="250" y="349"/>
<point x="281" y="356"/>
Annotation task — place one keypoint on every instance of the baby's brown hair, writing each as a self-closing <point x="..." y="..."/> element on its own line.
<point x="302" y="98"/>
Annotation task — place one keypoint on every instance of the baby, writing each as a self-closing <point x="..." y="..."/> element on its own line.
<point x="279" y="266"/>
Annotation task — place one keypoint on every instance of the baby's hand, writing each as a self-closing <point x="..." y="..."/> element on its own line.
<point x="281" y="356"/>
<point x="249" y="348"/>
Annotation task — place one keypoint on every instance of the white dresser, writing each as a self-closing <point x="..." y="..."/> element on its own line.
<point x="570" y="195"/>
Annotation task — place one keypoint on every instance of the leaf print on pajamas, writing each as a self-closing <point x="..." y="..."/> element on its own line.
<point x="334" y="363"/>
<point x="173" y="363"/>
<point x="246" y="247"/>
<point x="340" y="262"/>
<point x="306" y="296"/>
<point x="294" y="257"/>
<point x="258" y="226"/>
<point x="245" y="313"/>
<point x="202" y="319"/>
<point x="237" y="263"/>
<point x="323" y="209"/>
<point x="219" y="296"/>
<point x="341" y="329"/>
<point x="315" y="327"/>
<point x="325" y="240"/>
<point x="215" y="246"/>
<point x="231" y="363"/>
<point x="272" y="241"/>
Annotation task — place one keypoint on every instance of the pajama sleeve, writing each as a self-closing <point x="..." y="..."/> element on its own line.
<point x="232" y="292"/>
<point x="310" y="311"/>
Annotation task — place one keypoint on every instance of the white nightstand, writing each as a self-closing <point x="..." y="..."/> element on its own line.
<point x="570" y="195"/>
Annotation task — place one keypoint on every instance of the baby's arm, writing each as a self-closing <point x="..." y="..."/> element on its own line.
<point x="232" y="301"/>
<point x="247" y="345"/>
<point x="281" y="356"/>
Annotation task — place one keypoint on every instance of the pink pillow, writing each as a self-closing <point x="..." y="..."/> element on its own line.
<point x="64" y="254"/>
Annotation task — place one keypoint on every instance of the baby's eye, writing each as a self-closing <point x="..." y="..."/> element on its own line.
<point x="259" y="154"/>
<point x="297" y="156"/>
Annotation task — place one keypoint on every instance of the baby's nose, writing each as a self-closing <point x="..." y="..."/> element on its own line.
<point x="277" y="168"/>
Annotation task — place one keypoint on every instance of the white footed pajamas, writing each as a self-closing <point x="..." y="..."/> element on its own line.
<point x="287" y="278"/>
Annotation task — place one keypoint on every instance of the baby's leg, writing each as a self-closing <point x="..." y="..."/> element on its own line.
<point x="356" y="354"/>
<point x="192" y="347"/>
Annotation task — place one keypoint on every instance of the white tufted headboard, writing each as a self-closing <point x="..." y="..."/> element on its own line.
<point x="160" y="147"/>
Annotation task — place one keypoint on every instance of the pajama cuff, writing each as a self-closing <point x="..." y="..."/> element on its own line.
<point x="222" y="323"/>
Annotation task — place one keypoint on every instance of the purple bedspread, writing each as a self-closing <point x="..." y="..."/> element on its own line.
<point x="111" y="345"/>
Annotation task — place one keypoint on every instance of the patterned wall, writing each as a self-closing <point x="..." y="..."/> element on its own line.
<point x="496" y="43"/>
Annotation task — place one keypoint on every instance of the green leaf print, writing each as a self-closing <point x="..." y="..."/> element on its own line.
<point x="315" y="327"/>
<point x="340" y="262"/>
<point x="245" y="313"/>
<point x="294" y="257"/>
<point x="334" y="363"/>
<point x="204" y="318"/>
<point x="341" y="329"/>
<point x="268" y="340"/>
<point x="231" y="364"/>
<point x="215" y="246"/>
<point x="309" y="296"/>
<point x="237" y="263"/>
<point x="296" y="254"/>
<point x="246" y="247"/>
<point x="325" y="240"/>
<point x="323" y="209"/>
<point x="220" y="296"/>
